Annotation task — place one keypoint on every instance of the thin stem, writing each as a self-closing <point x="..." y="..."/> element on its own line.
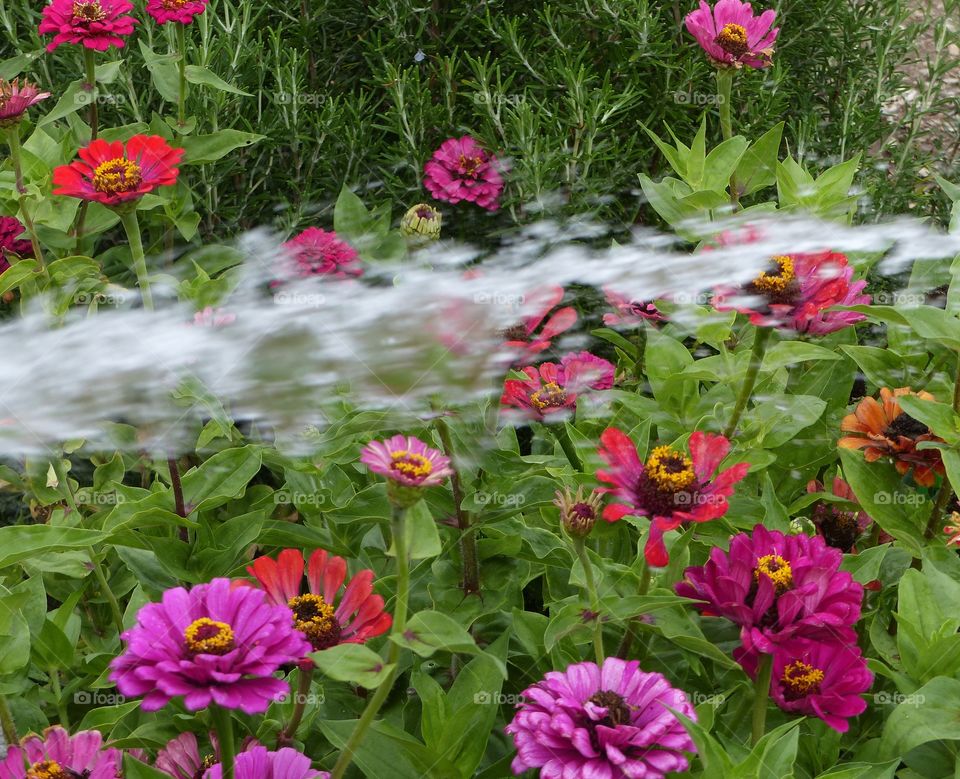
<point x="13" y="140"/>
<point x="563" y="438"/>
<point x="105" y="589"/>
<point x="629" y="635"/>
<point x="6" y="723"/>
<point x="761" y="692"/>
<point x="182" y="95"/>
<point x="750" y="379"/>
<point x="132" y="227"/>
<point x="55" y="688"/>
<point x="89" y="60"/>
<point x="584" y="558"/>
<point x="177" y="494"/>
<point x="299" y="704"/>
<point x="223" y="724"/>
<point x="468" y="540"/>
<point x="399" y="627"/>
<point x="640" y="342"/>
<point x="724" y="89"/>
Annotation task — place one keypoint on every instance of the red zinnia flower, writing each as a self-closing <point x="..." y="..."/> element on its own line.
<point x="358" y="615"/>
<point x="97" y="24"/>
<point x="553" y="388"/>
<point x="316" y="252"/>
<point x="462" y="170"/>
<point x="113" y="173"/>
<point x="671" y="488"/>
<point x="528" y="338"/>
<point x="181" y="11"/>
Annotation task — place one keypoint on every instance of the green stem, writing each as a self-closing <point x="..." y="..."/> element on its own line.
<point x="105" y="589"/>
<point x="182" y="95"/>
<point x="6" y="723"/>
<point x="563" y="438"/>
<point x="223" y="724"/>
<point x="761" y="692"/>
<point x="584" y="558"/>
<point x="750" y="379"/>
<point x="724" y="89"/>
<point x="399" y="626"/>
<point x="54" y="675"/>
<point x="132" y="227"/>
<point x="629" y="635"/>
<point x="89" y="60"/>
<point x="299" y="704"/>
<point x="640" y="341"/>
<point x="468" y="539"/>
<point x="13" y="140"/>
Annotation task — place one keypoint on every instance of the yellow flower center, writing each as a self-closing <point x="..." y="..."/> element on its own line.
<point x="208" y="637"/>
<point x="470" y="165"/>
<point x="733" y="40"/>
<point x="116" y="176"/>
<point x="551" y="395"/>
<point x="801" y="679"/>
<point x="173" y="5"/>
<point x="669" y="470"/>
<point x="410" y="463"/>
<point x="315" y="618"/>
<point x="777" y="279"/>
<point x="88" y="11"/>
<point x="46" y="769"/>
<point x="776" y="569"/>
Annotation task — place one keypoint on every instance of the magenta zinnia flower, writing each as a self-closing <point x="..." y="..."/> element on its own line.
<point x="316" y="252"/>
<point x="671" y="487"/>
<point x="550" y="389"/>
<point x="462" y="170"/>
<point x="15" y="99"/>
<point x="407" y="460"/>
<point x="629" y="312"/>
<point x="214" y="643"/>
<point x="181" y="757"/>
<point x="97" y="24"/>
<point x="258" y="763"/>
<point x="10" y="241"/>
<point x="181" y="11"/>
<point x="58" y="754"/>
<point x="607" y="722"/>
<point x="732" y="36"/>
<point x="776" y="587"/>
<point x="535" y="333"/>
<point x="824" y="679"/>
<point x="324" y="615"/>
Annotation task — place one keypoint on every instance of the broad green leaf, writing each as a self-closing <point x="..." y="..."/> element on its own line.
<point x="196" y="74"/>
<point x="19" y="542"/>
<point x="927" y="715"/>
<point x="352" y="663"/>
<point x="200" y="149"/>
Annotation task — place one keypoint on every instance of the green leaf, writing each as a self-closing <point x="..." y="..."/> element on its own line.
<point x="350" y="216"/>
<point x="722" y="162"/>
<point x="164" y="72"/>
<point x="353" y="663"/>
<point x="758" y="166"/>
<point x="72" y="99"/>
<point x="134" y="769"/>
<point x="200" y="149"/>
<point x="19" y="542"/>
<point x="929" y="714"/>
<point x="196" y="74"/>
<point x="788" y="353"/>
<point x="221" y="478"/>
<point x="863" y="771"/>
<point x="420" y="533"/>
<point x="428" y="632"/>
<point x="18" y="274"/>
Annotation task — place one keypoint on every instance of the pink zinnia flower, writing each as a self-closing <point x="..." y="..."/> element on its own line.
<point x="732" y="36"/>
<point x="258" y="763"/>
<point x="321" y="612"/>
<point x="181" y="11"/>
<point x="10" y="241"/>
<point x="461" y="170"/>
<point x="671" y="487"/>
<point x="181" y="757"/>
<point x="824" y="679"/>
<point x="114" y="173"/>
<point x="214" y="643"/>
<point x="58" y="754"/>
<point x="407" y="460"/>
<point x="610" y="721"/>
<point x="534" y="334"/>
<point x="316" y="252"/>
<point x="97" y="24"/>
<point x="776" y="587"/>
<point x="551" y="389"/>
<point x="629" y="312"/>
<point x="15" y="99"/>
<point x="840" y="528"/>
<point x="797" y="293"/>
<point x="583" y="370"/>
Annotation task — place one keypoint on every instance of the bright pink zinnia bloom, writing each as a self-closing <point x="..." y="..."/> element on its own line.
<point x="550" y="389"/>
<point x="114" y="173"/>
<point x="732" y="36"/>
<point x="181" y="11"/>
<point x="258" y="763"/>
<point x="181" y="757"/>
<point x="824" y="679"/>
<point x="671" y="488"/>
<point x="57" y="753"/>
<point x="316" y="252"/>
<point x="535" y="333"/>
<point x="462" y="170"/>
<point x="214" y="643"/>
<point x="324" y="615"/>
<point x="15" y="99"/>
<point x="10" y="241"/>
<point x="583" y="370"/>
<point x="97" y="24"/>
<point x="407" y="461"/>
<point x="630" y="312"/>
<point x="611" y="721"/>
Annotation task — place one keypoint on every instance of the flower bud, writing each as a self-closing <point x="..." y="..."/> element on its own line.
<point x="422" y="222"/>
<point x="578" y="514"/>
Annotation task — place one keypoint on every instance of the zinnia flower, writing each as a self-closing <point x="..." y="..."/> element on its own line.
<point x="611" y="721"/>
<point x="10" y="230"/>
<point x="421" y="222"/>
<point x="840" y="528"/>
<point x="535" y="333"/>
<point x="181" y="756"/>
<point x="552" y="389"/>
<point x="732" y="36"/>
<point x="258" y="763"/>
<point x="461" y="170"/>
<point x="58" y="754"/>
<point x="882" y="429"/>
<point x="97" y="24"/>
<point x="824" y="679"/>
<point x="578" y="512"/>
<point x="324" y="615"/>
<point x="796" y="293"/>
<point x="212" y="644"/>
<point x="181" y="11"/>
<point x="629" y="312"/>
<point x="671" y="487"/>
<point x="15" y="99"/>
<point x="407" y="460"/>
<point x="316" y="252"/>
<point x="114" y="173"/>
<point x="776" y="587"/>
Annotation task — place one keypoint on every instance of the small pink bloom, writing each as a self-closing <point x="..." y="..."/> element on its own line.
<point x="630" y="312"/>
<point x="462" y="170"/>
<point x="316" y="252"/>
<point x="96" y="24"/>
<point x="732" y="36"/>
<point x="258" y="763"/>
<point x="407" y="460"/>
<point x="181" y="11"/>
<point x="15" y="99"/>
<point x="583" y="370"/>
<point x="57" y="751"/>
<point x="552" y="389"/>
<point x="534" y="334"/>
<point x="10" y="241"/>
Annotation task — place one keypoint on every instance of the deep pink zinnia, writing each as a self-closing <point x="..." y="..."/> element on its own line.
<point x="670" y="487"/>
<point x="628" y="311"/>
<point x="552" y="389"/>
<point x="316" y="252"/>
<point x="607" y="722"/>
<point x="214" y="643"/>
<point x="776" y="587"/>
<point x="407" y="460"/>
<point x="58" y="754"/>
<point x="462" y="170"/>
<point x="732" y="36"/>
<point x="824" y="679"/>
<point x="97" y="24"/>
<point x="258" y="763"/>
<point x="181" y="11"/>
<point x="537" y="330"/>
<point x="10" y="241"/>
<point x="15" y="99"/>
<point x="181" y="757"/>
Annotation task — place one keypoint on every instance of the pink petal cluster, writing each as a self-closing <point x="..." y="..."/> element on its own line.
<point x="96" y="24"/>
<point x="180" y="11"/>
<point x="10" y="241"/>
<point x="259" y="763"/>
<point x="407" y="461"/>
<point x="81" y="754"/>
<point x="731" y="35"/>
<point x="537" y="330"/>
<point x="317" y="252"/>
<point x="15" y="99"/>
<point x="550" y="389"/>
<point x="628" y="311"/>
<point x="462" y="170"/>
<point x="181" y="757"/>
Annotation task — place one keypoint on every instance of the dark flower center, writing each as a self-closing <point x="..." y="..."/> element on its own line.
<point x="470" y="165"/>
<point x="800" y="680"/>
<point x="551" y="395"/>
<point x="906" y="426"/>
<point x="733" y="40"/>
<point x="315" y="618"/>
<point x="583" y="511"/>
<point x="209" y="637"/>
<point x="50" y="769"/>
<point x="205" y="765"/>
<point x="516" y="332"/>
<point x="778" y="283"/>
<point x="173" y="5"/>
<point x="425" y="212"/>
<point x="86" y="11"/>
<point x="669" y="469"/>
<point x="410" y="464"/>
<point x="840" y="529"/>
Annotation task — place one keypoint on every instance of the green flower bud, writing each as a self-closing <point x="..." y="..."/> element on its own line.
<point x="422" y="222"/>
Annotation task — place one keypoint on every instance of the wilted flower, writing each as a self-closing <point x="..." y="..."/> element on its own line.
<point x="316" y="252"/>
<point x="114" y="173"/>
<point x="57" y="754"/>
<point x="578" y="513"/>
<point x="630" y="312"/>
<point x="883" y="429"/>
<point x="258" y="763"/>
<point x="732" y="36"/>
<point x="535" y="333"/>
<point x="840" y="528"/>
<point x="671" y="487"/>
<point x="15" y="99"/>
<point x="422" y="222"/>
<point x="10" y="241"/>
<point x="609" y="721"/>
<point x="181" y="11"/>
<point x="462" y="170"/>
<point x="97" y="24"/>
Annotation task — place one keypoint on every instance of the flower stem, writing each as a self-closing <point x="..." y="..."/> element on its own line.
<point x="105" y="590"/>
<point x="468" y="539"/>
<point x="182" y="95"/>
<point x="724" y="89"/>
<point x="761" y="692"/>
<point x="223" y="724"/>
<point x="132" y="227"/>
<point x="299" y="704"/>
<point x="749" y="380"/>
<point x="6" y="723"/>
<point x="399" y="627"/>
<point x="629" y="635"/>
<point x="13" y="140"/>
<point x="54" y="675"/>
<point x="563" y="438"/>
<point x="640" y="341"/>
<point x="584" y="558"/>
<point x="89" y="60"/>
<point x="177" y="494"/>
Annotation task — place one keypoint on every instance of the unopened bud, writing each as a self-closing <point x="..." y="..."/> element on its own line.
<point x="422" y="222"/>
<point x="578" y="513"/>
